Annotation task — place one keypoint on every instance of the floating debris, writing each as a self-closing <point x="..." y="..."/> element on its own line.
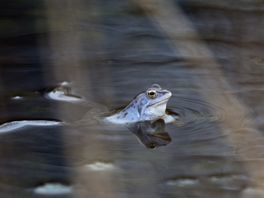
<point x="14" y="125"/>
<point x="53" y="189"/>
<point x="63" y="93"/>
<point x="100" y="166"/>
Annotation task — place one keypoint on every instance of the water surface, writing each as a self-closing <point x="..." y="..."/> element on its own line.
<point x="107" y="52"/>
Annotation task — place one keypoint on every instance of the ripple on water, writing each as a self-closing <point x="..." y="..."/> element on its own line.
<point x="192" y="110"/>
<point x="15" y="125"/>
<point x="198" y="117"/>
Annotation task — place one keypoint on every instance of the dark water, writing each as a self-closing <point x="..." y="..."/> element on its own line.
<point x="109" y="51"/>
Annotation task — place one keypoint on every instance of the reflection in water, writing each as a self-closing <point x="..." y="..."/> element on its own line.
<point x="151" y="134"/>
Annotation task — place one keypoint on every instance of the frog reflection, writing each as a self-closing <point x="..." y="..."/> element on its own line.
<point x="151" y="134"/>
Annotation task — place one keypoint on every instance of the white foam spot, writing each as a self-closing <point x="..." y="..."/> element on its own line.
<point x="60" y="96"/>
<point x="65" y="83"/>
<point x="252" y="192"/>
<point x="14" y="125"/>
<point x="100" y="166"/>
<point x="17" y="98"/>
<point x="232" y="182"/>
<point x="182" y="182"/>
<point x="53" y="189"/>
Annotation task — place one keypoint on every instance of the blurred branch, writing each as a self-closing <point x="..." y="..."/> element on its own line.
<point x="235" y="123"/>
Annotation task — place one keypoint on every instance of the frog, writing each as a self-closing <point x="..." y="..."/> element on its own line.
<point x="149" y="105"/>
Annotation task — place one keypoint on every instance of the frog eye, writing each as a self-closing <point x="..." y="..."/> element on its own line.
<point x="152" y="94"/>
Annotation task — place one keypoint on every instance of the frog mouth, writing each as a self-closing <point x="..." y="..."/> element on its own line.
<point x="164" y="101"/>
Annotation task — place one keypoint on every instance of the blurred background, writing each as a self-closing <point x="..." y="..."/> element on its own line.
<point x="97" y="55"/>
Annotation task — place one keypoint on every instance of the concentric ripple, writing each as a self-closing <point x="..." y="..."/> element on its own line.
<point x="198" y="120"/>
<point x="192" y="110"/>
